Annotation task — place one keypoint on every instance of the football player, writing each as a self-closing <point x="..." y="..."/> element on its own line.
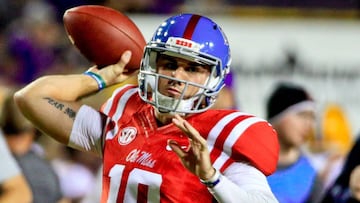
<point x="159" y="140"/>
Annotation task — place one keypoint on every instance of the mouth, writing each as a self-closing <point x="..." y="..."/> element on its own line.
<point x="173" y="92"/>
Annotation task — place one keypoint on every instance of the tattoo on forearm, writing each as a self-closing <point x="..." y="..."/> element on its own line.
<point x="66" y="110"/>
<point x="54" y="103"/>
<point x="70" y="112"/>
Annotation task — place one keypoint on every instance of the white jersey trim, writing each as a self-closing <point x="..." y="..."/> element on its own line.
<point x="244" y="183"/>
<point x="119" y="109"/>
<point x="87" y="130"/>
<point x="121" y="104"/>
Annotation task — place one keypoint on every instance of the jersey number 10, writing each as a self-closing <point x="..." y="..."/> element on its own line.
<point x="136" y="176"/>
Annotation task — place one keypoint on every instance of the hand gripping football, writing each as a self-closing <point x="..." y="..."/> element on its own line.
<point x="102" y="34"/>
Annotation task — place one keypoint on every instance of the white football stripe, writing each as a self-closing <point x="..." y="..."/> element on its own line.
<point x="121" y="106"/>
<point x="216" y="130"/>
<point x="238" y="131"/>
<point x="122" y="102"/>
<point x="119" y="110"/>
<point x="109" y="102"/>
<point x="234" y="135"/>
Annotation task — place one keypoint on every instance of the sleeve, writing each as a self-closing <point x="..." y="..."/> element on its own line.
<point x="9" y="166"/>
<point x="258" y="142"/>
<point x="86" y="134"/>
<point x="243" y="182"/>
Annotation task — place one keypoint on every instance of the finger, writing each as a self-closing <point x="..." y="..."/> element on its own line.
<point x="179" y="122"/>
<point x="176" y="148"/>
<point x="188" y="129"/>
<point x="193" y="133"/>
<point x="124" y="60"/>
<point x="184" y="126"/>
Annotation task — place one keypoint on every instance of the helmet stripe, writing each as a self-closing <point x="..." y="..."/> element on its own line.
<point x="189" y="30"/>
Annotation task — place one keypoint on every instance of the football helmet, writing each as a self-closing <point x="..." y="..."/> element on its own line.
<point x="192" y="37"/>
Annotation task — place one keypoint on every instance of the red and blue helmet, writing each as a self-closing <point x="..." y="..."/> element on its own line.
<point x="195" y="38"/>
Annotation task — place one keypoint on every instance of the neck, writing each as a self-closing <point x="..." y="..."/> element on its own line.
<point x="288" y="156"/>
<point x="163" y="118"/>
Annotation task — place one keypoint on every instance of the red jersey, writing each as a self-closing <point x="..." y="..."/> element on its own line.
<point x="139" y="166"/>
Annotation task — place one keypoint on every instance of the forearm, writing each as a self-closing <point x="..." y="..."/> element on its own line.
<point x="51" y="102"/>
<point x="242" y="182"/>
<point x="61" y="87"/>
<point x="227" y="192"/>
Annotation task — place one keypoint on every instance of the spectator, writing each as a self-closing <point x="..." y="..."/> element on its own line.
<point x="76" y="171"/>
<point x="146" y="6"/>
<point x="94" y="196"/>
<point x="21" y="138"/>
<point x="346" y="188"/>
<point x="291" y="111"/>
<point x="330" y="145"/>
<point x="13" y="185"/>
<point x="33" y="44"/>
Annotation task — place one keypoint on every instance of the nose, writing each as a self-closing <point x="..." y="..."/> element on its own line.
<point x="178" y="73"/>
<point x="309" y="124"/>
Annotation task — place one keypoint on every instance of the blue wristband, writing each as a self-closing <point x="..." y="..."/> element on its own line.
<point x="213" y="181"/>
<point x="99" y="80"/>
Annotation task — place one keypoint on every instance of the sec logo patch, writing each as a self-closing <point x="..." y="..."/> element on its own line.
<point x="127" y="135"/>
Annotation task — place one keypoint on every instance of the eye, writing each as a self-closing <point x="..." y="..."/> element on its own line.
<point x="192" y="69"/>
<point x="197" y="69"/>
<point x="170" y="66"/>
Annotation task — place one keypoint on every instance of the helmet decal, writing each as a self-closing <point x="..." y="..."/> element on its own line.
<point x="189" y="30"/>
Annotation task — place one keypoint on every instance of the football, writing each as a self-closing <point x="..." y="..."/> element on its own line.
<point x="102" y="34"/>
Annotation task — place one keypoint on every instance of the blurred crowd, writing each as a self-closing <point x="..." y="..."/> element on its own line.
<point x="33" y="43"/>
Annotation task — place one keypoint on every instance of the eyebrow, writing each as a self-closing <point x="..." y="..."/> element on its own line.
<point x="166" y="57"/>
<point x="172" y="59"/>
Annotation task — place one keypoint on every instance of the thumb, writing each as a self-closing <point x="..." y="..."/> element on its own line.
<point x="125" y="58"/>
<point x="115" y="73"/>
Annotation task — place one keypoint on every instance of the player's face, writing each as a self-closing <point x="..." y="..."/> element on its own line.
<point x="295" y="127"/>
<point x="183" y="70"/>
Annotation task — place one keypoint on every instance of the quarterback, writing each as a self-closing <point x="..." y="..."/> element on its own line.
<point x="159" y="140"/>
